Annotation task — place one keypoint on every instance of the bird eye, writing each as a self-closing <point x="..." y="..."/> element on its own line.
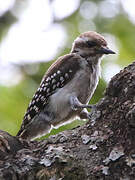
<point x="91" y="43"/>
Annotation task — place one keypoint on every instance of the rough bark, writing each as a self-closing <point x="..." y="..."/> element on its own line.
<point x="101" y="149"/>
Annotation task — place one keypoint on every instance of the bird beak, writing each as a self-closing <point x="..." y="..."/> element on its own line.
<point x="105" y="50"/>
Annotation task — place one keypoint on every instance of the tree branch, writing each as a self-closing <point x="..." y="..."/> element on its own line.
<point x="101" y="149"/>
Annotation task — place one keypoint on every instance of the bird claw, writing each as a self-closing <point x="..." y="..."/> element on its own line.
<point x="89" y="115"/>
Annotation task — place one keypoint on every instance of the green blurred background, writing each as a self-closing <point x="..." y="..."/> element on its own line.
<point x="33" y="33"/>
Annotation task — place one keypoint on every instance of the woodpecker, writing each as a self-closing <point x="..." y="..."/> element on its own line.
<point x="66" y="88"/>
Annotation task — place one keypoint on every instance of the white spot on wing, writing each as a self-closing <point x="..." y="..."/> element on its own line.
<point x="61" y="78"/>
<point x="40" y="89"/>
<point x="54" y="74"/>
<point x="33" y="102"/>
<point x="42" y="98"/>
<point x="36" y="96"/>
<point x="43" y="85"/>
<point x="66" y="75"/>
<point x="46" y="84"/>
<point x="58" y="72"/>
<point x="53" y="81"/>
<point x="35" y="108"/>
<point x="48" y="79"/>
<point x="39" y="95"/>
<point x="37" y="99"/>
<point x="44" y="88"/>
<point x="28" y="116"/>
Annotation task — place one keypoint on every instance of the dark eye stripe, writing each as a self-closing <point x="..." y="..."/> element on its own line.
<point x="91" y="43"/>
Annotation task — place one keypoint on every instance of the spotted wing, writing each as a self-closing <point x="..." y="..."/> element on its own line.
<point x="57" y="76"/>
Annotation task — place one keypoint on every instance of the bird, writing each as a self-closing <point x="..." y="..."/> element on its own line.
<point x="66" y="88"/>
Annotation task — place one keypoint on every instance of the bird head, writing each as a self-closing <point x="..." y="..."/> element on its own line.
<point x="91" y="44"/>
